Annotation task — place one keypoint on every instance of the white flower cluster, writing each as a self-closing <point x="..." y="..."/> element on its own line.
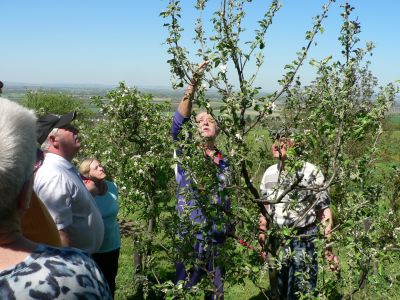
<point x="271" y="106"/>
<point x="239" y="136"/>
<point x="222" y="68"/>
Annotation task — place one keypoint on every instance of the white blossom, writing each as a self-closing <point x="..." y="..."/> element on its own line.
<point x="222" y="68"/>
<point x="272" y="106"/>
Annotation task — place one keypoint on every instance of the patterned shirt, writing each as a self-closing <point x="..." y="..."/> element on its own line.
<point x="297" y="202"/>
<point x="54" y="273"/>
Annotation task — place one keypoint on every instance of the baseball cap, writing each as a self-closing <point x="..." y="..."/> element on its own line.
<point x="47" y="123"/>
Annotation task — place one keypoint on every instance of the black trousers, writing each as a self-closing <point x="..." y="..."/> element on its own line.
<point x="108" y="264"/>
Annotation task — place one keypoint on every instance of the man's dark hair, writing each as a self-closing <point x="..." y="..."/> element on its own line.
<point x="283" y="132"/>
<point x="1" y="84"/>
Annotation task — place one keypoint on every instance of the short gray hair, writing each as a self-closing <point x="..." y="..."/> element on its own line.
<point x="17" y="153"/>
<point x="46" y="144"/>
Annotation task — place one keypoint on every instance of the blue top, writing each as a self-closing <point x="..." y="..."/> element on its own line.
<point x="108" y="206"/>
<point x="184" y="187"/>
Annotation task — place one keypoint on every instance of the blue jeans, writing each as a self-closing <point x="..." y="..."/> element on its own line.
<point x="207" y="254"/>
<point x="299" y="267"/>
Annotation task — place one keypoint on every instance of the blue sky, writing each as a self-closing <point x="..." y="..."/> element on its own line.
<point x="104" y="42"/>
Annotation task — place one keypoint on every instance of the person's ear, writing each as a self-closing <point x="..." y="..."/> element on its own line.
<point x="53" y="141"/>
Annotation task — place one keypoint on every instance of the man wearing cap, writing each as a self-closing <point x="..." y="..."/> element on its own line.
<point x="60" y="187"/>
<point x="303" y="207"/>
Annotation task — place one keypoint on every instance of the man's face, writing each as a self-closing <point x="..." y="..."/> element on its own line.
<point x="97" y="171"/>
<point x="279" y="148"/>
<point x="207" y="125"/>
<point x="67" y="138"/>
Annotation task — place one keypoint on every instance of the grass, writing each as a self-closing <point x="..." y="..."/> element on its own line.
<point x="125" y="278"/>
<point x="125" y="281"/>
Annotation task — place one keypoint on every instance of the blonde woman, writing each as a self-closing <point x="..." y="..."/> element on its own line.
<point x="105" y="194"/>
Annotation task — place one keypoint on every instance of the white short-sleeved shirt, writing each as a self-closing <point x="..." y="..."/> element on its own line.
<point x="60" y="187"/>
<point x="295" y="204"/>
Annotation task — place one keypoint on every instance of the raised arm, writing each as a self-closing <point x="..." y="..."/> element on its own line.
<point x="185" y="106"/>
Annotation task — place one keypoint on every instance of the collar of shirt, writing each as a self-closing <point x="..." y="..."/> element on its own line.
<point x="51" y="157"/>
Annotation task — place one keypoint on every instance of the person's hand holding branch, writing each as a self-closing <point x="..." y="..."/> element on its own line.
<point x="185" y="106"/>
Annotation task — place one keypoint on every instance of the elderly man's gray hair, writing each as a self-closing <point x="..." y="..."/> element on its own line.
<point x="46" y="144"/>
<point x="17" y="153"/>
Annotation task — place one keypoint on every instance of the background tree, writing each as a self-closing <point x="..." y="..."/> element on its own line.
<point x="130" y="136"/>
<point x="45" y="102"/>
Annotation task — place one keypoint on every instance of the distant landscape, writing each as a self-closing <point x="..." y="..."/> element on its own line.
<point x="16" y="92"/>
